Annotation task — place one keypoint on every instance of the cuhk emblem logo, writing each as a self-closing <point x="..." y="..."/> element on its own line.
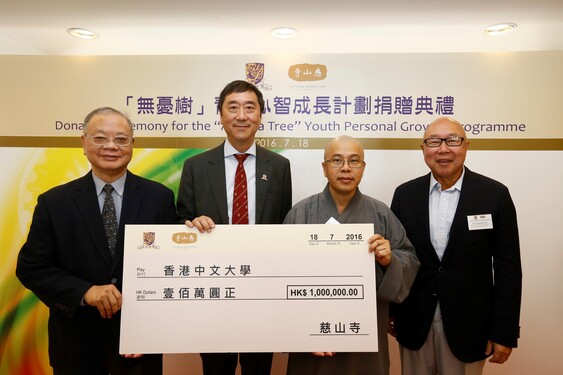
<point x="148" y="241"/>
<point x="148" y="238"/>
<point x="254" y="73"/>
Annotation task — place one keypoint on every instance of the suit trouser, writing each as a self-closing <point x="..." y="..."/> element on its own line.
<point x="226" y="363"/>
<point x="149" y="364"/>
<point x="435" y="356"/>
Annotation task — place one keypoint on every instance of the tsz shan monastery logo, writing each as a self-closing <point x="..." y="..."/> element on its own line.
<point x="184" y="238"/>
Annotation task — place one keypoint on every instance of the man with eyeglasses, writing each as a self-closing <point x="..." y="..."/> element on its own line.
<point x="394" y="256"/>
<point x="465" y="302"/>
<point x="73" y="257"/>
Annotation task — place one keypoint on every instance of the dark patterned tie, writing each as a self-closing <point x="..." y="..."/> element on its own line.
<point x="110" y="219"/>
<point x="240" y="197"/>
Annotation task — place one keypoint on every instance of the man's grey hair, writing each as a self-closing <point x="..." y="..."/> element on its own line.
<point x="105" y="111"/>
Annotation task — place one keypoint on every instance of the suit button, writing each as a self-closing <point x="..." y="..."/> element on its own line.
<point x="114" y="280"/>
<point x="441" y="269"/>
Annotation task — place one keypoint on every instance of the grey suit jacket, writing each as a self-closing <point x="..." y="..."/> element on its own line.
<point x="203" y="189"/>
<point x="478" y="282"/>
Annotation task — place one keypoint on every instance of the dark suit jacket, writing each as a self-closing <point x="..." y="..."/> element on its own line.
<point x="66" y="253"/>
<point x="477" y="304"/>
<point x="203" y="189"/>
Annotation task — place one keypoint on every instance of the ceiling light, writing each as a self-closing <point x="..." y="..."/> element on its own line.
<point x="500" y="28"/>
<point x="284" y="32"/>
<point x="82" y="33"/>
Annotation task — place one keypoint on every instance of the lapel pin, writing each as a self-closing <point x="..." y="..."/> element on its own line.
<point x="264" y="177"/>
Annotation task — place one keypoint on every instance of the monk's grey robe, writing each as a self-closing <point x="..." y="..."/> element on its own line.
<point x="393" y="282"/>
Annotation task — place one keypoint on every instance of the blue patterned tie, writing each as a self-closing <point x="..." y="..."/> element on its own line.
<point x="110" y="219"/>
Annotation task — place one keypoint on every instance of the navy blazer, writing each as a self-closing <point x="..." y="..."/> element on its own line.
<point x="66" y="253"/>
<point x="203" y="189"/>
<point x="477" y="304"/>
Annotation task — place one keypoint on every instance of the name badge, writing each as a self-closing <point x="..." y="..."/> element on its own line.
<point x="478" y="222"/>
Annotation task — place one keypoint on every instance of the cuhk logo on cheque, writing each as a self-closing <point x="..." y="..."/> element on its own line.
<point x="148" y="241"/>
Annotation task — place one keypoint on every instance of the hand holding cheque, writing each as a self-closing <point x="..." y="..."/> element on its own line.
<point x="202" y="224"/>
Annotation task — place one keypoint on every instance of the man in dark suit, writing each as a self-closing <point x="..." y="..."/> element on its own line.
<point x="207" y="193"/>
<point x="465" y="302"/>
<point x="73" y="257"/>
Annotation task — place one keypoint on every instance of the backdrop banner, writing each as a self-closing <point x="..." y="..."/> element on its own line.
<point x="508" y="103"/>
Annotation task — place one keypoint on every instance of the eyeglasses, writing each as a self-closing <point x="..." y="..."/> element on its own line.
<point x="339" y="163"/>
<point x="453" y="141"/>
<point x="99" y="140"/>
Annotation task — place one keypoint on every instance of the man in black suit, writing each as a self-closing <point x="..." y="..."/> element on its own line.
<point x="207" y="190"/>
<point x="73" y="258"/>
<point x="465" y="302"/>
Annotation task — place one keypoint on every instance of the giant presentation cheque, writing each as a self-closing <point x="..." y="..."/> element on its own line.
<point x="248" y="288"/>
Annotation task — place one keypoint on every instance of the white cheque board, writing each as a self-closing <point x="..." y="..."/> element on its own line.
<point x="248" y="288"/>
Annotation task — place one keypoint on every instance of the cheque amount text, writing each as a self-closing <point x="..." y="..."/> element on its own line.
<point x="325" y="292"/>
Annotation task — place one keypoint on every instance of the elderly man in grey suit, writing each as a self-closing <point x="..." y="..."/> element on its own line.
<point x="73" y="257"/>
<point x="465" y="302"/>
<point x="237" y="182"/>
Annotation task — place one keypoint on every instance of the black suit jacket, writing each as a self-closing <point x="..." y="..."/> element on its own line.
<point x="66" y="253"/>
<point x="203" y="189"/>
<point x="477" y="304"/>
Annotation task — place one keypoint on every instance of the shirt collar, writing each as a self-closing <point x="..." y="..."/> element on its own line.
<point x="230" y="150"/>
<point x="434" y="184"/>
<point x="118" y="185"/>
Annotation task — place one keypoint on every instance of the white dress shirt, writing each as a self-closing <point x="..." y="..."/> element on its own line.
<point x="442" y="207"/>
